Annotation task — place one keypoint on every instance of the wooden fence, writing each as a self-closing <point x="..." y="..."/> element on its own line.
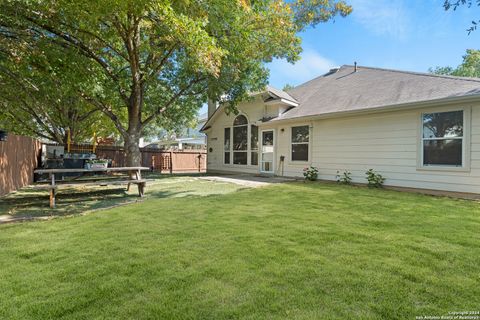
<point x="18" y="158"/>
<point x="162" y="161"/>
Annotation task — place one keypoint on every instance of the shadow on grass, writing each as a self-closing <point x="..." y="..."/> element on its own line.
<point x="67" y="195"/>
<point x="30" y="202"/>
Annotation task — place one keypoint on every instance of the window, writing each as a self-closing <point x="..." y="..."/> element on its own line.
<point x="240" y="140"/>
<point x="240" y="121"/>
<point x="442" y="138"/>
<point x="254" y="145"/>
<point x="300" y="140"/>
<point x="241" y="143"/>
<point x="226" y="145"/>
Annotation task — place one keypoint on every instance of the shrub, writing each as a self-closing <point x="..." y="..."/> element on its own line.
<point x="375" y="180"/>
<point x="310" y="173"/>
<point x="345" y="178"/>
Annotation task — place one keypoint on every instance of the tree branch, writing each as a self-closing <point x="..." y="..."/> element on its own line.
<point x="156" y="69"/>
<point x="170" y="102"/>
<point x="77" y="43"/>
<point x="106" y="110"/>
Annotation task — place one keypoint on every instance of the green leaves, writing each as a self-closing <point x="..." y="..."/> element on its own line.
<point x="449" y="4"/>
<point x="312" y="12"/>
<point x="470" y="66"/>
<point x="152" y="62"/>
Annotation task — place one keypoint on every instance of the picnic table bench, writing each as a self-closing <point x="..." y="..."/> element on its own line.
<point x="134" y="177"/>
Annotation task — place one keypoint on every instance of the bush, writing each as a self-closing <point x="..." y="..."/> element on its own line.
<point x="345" y="178"/>
<point x="375" y="180"/>
<point x="310" y="173"/>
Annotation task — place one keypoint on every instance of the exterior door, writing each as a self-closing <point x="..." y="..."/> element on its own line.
<point x="268" y="152"/>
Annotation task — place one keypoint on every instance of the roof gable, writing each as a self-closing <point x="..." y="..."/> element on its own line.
<point x="369" y="88"/>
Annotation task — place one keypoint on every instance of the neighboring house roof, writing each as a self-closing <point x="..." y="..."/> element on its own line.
<point x="195" y="141"/>
<point x="370" y="88"/>
<point x="203" y="117"/>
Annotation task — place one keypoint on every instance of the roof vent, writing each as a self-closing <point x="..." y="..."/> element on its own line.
<point x="332" y="71"/>
<point x="355" y="68"/>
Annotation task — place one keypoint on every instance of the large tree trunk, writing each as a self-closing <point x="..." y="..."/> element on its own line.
<point x="132" y="150"/>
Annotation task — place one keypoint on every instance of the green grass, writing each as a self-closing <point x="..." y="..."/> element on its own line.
<point x="292" y="251"/>
<point x="34" y="202"/>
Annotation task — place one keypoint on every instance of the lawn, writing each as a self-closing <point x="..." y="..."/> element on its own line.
<point x="290" y="251"/>
<point x="32" y="202"/>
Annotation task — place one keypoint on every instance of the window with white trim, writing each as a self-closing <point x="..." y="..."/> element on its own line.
<point x="226" y="146"/>
<point x="300" y="143"/>
<point x="443" y="139"/>
<point x="240" y="140"/>
<point x="253" y="145"/>
<point x="241" y="143"/>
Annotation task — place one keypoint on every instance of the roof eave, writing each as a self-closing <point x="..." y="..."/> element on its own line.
<point x="409" y="105"/>
<point x="282" y="101"/>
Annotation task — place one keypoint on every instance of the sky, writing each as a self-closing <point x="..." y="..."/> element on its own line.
<point x="412" y="35"/>
<point x="409" y="35"/>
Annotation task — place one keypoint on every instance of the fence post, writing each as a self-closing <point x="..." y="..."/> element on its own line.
<point x="171" y="162"/>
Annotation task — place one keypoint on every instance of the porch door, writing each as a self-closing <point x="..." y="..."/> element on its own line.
<point x="268" y="151"/>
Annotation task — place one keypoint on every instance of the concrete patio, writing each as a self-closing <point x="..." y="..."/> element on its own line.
<point x="247" y="180"/>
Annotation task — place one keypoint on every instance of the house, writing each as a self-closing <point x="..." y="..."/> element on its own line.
<point x="178" y="144"/>
<point x="418" y="130"/>
<point x="187" y="139"/>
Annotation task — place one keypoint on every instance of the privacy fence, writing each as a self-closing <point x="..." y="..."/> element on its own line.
<point x="158" y="160"/>
<point x="19" y="156"/>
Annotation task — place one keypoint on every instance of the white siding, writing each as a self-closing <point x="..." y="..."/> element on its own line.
<point x="386" y="142"/>
<point x="254" y="111"/>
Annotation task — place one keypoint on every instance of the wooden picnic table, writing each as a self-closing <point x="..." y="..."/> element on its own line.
<point x="134" y="174"/>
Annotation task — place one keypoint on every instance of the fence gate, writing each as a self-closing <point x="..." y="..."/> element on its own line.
<point x="162" y="162"/>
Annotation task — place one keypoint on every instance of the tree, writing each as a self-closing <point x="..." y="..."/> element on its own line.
<point x="155" y="61"/>
<point x="33" y="102"/>
<point x="287" y="87"/>
<point x="470" y="66"/>
<point x="453" y="5"/>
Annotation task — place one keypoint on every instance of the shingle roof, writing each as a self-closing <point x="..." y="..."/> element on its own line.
<point x="280" y="94"/>
<point x="368" y="88"/>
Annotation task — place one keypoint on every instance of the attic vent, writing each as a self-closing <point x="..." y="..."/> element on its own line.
<point x="332" y="71"/>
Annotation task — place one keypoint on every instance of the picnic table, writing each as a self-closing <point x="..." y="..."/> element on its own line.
<point x="134" y="177"/>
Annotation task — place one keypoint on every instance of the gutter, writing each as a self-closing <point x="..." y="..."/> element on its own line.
<point x="403" y="106"/>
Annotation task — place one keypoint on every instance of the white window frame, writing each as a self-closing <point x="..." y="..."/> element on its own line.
<point x="250" y="151"/>
<point x="232" y="143"/>
<point x="466" y="148"/>
<point x="302" y="162"/>
<point x="229" y="149"/>
<point x="260" y="150"/>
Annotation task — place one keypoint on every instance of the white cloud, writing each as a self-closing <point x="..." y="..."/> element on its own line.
<point x="311" y="65"/>
<point x="382" y="17"/>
